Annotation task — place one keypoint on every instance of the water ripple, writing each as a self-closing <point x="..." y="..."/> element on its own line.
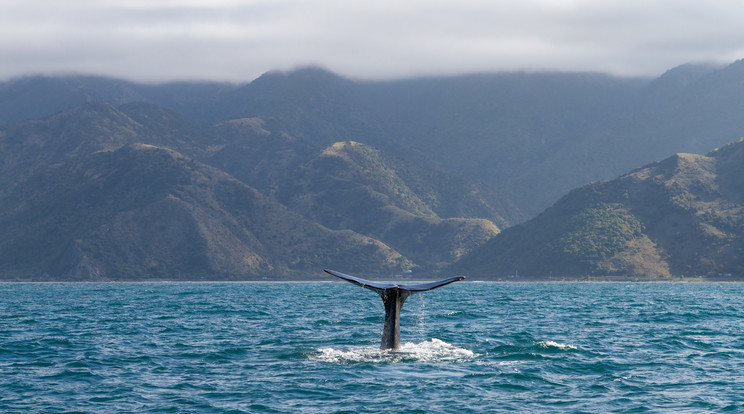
<point x="292" y="347"/>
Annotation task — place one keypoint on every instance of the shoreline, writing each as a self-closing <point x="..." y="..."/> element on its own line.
<point x="311" y="279"/>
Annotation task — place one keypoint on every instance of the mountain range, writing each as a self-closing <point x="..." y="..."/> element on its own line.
<point x="104" y="179"/>
<point x="97" y="192"/>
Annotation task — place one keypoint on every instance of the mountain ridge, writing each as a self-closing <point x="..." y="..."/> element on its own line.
<point x="60" y="195"/>
<point x="680" y="217"/>
<point x="141" y="211"/>
<point x="512" y="131"/>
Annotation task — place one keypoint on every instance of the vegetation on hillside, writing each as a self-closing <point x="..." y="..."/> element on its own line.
<point x="106" y="179"/>
<point x="681" y="217"/>
<point x="83" y="199"/>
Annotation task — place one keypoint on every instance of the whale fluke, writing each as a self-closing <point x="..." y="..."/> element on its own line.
<point x="393" y="295"/>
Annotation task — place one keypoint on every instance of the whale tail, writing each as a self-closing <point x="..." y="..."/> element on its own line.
<point x="393" y="296"/>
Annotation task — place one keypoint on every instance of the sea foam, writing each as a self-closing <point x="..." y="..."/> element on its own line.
<point x="434" y="350"/>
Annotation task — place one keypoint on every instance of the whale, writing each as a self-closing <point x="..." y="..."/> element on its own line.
<point x="393" y="295"/>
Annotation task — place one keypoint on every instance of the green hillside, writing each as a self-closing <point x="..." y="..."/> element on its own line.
<point x="681" y="217"/>
<point x="143" y="212"/>
<point x="430" y="217"/>
<point x="97" y="192"/>
<point x="350" y="185"/>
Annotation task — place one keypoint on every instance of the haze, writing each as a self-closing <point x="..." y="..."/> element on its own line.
<point x="230" y="40"/>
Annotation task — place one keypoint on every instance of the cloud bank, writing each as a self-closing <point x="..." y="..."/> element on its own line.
<point x="230" y="40"/>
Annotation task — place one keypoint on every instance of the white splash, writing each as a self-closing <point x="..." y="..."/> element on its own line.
<point x="553" y="344"/>
<point x="434" y="350"/>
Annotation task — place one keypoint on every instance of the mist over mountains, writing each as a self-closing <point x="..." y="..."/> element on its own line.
<point x="104" y="179"/>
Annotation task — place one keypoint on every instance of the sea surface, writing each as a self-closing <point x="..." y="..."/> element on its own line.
<point x="313" y="348"/>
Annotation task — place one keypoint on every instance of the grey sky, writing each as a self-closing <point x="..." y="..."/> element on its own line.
<point x="157" y="40"/>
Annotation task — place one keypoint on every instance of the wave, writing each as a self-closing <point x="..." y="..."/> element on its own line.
<point x="557" y="345"/>
<point x="434" y="350"/>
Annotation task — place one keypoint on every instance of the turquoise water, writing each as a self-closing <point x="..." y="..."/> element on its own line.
<point x="312" y="347"/>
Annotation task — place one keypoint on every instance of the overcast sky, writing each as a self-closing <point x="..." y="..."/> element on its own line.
<point x="158" y="40"/>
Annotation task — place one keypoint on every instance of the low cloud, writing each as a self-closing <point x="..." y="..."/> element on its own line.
<point x="158" y="40"/>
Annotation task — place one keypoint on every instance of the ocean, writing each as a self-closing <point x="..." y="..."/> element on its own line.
<point x="313" y="348"/>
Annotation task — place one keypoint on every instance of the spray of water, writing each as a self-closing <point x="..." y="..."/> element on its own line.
<point x="434" y="350"/>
